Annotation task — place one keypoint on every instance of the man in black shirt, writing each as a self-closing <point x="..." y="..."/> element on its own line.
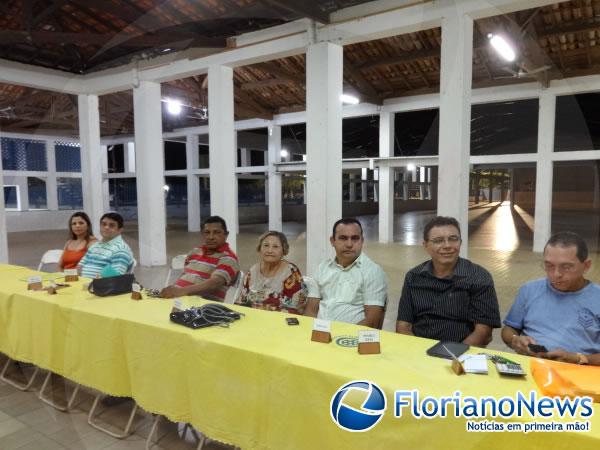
<point x="448" y="298"/>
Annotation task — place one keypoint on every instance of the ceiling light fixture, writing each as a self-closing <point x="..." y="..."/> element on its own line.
<point x="173" y="106"/>
<point x="502" y="46"/>
<point x="349" y="99"/>
<point x="284" y="153"/>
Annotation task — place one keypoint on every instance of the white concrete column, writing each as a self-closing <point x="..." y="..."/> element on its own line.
<point x="193" y="183"/>
<point x="363" y="191"/>
<point x="455" y="119"/>
<point x="51" y="183"/>
<point x="386" y="178"/>
<point x="266" y="190"/>
<point x="91" y="157"/>
<point x="351" y="188"/>
<point x="324" y="80"/>
<point x="274" y="179"/>
<point x="223" y="150"/>
<point x="3" y="231"/>
<point x="542" y="224"/>
<point x="150" y="178"/>
<point x="105" y="189"/>
<point x="237" y="188"/>
<point x="429" y="183"/>
<point x="405" y="190"/>
<point x="129" y="156"/>
<point x="596" y="201"/>
<point x="304" y="191"/>
<point x="23" y="192"/>
<point x="245" y="157"/>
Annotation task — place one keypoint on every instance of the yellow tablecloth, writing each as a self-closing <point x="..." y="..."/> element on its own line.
<point x="258" y="384"/>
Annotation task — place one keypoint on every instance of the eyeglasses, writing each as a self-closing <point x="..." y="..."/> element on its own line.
<point x="562" y="268"/>
<point x="452" y="240"/>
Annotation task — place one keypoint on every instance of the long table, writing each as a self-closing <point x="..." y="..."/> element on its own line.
<point x="259" y="384"/>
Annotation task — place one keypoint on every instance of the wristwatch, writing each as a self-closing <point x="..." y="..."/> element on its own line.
<point x="583" y="360"/>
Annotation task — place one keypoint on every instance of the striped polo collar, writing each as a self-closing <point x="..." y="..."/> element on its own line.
<point x="222" y="249"/>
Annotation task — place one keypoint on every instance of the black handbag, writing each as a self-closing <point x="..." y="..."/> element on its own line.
<point x="205" y="316"/>
<point x="104" y="287"/>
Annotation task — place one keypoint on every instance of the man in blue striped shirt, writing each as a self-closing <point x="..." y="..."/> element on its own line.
<point x="110" y="256"/>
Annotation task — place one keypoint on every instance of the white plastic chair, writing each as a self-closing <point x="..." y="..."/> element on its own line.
<point x="20" y="386"/>
<point x="312" y="288"/>
<point x="183" y="429"/>
<point x="177" y="263"/>
<point x="234" y="289"/>
<point x="122" y="434"/>
<point x="49" y="401"/>
<point x="50" y="257"/>
<point x="133" y="266"/>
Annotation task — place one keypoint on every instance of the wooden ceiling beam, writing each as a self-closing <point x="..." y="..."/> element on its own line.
<point x="274" y="69"/>
<point x="249" y="103"/>
<point x="269" y="82"/>
<point x="125" y="12"/>
<point x="362" y="85"/>
<point x="408" y="57"/>
<point x="243" y="111"/>
<point x="44" y="121"/>
<point x="48" y="12"/>
<point x="301" y="7"/>
<point x="11" y="37"/>
<point x="577" y="27"/>
<point x="180" y="94"/>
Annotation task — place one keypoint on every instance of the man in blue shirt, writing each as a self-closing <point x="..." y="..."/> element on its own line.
<point x="560" y="312"/>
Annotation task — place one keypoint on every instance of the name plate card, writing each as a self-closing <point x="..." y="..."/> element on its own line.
<point x="71" y="275"/>
<point x="368" y="342"/>
<point x="52" y="288"/>
<point x="178" y="305"/>
<point x="136" y="291"/>
<point x="34" y="283"/>
<point x="321" y="331"/>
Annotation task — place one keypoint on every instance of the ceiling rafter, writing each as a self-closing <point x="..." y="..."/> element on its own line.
<point x="9" y="37"/>
<point x="362" y="85"/>
<point x="301" y="7"/>
<point x="249" y="103"/>
<point x="576" y="27"/>
<point x="47" y="12"/>
<point x="400" y="59"/>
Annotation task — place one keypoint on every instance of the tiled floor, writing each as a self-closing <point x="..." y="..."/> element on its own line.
<point x="500" y="240"/>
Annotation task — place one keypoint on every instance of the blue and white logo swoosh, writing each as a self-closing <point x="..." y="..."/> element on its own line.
<point x="371" y="411"/>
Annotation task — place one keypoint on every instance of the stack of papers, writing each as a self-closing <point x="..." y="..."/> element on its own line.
<point x="474" y="363"/>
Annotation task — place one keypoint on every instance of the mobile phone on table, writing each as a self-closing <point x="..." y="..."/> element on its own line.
<point x="442" y="349"/>
<point x="292" y="321"/>
<point x="536" y="348"/>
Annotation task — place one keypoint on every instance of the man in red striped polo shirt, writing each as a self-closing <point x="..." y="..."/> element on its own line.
<point x="210" y="269"/>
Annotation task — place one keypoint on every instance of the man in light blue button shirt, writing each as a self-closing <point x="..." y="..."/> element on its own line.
<point x="350" y="287"/>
